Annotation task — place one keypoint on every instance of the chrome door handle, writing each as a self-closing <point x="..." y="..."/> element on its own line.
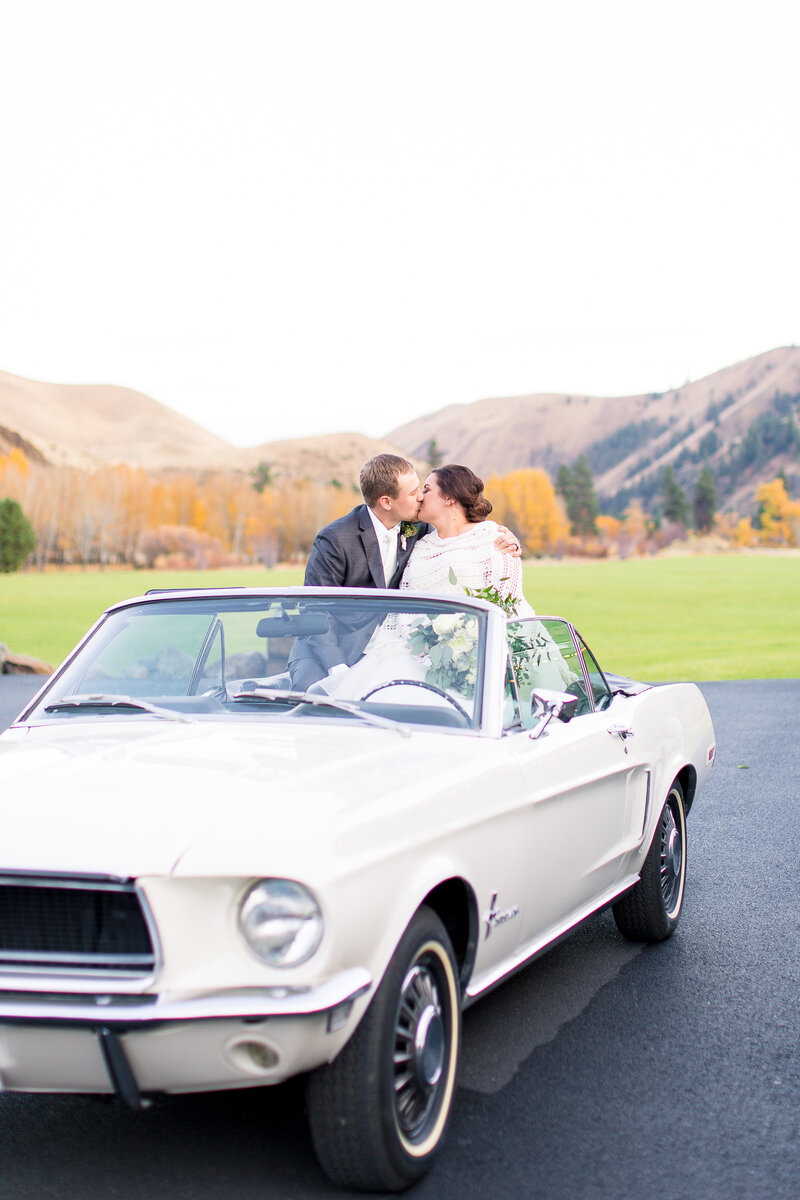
<point x="622" y="731"/>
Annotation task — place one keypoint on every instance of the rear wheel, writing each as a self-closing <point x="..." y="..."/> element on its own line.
<point x="650" y="911"/>
<point x="379" y="1111"/>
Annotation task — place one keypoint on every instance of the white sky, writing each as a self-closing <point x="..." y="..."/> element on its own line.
<point x="284" y="217"/>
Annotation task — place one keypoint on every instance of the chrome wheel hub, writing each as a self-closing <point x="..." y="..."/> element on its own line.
<point x="671" y="859"/>
<point x="429" y="1047"/>
<point x="419" y="1050"/>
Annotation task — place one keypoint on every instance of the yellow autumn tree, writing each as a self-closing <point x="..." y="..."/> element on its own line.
<point x="262" y="539"/>
<point x="725" y="525"/>
<point x="172" y="500"/>
<point x="608" y="530"/>
<point x="223" y="509"/>
<point x="744" y="534"/>
<point x="633" y="534"/>
<point x="301" y="508"/>
<point x="525" y="500"/>
<point x="779" y="514"/>
<point x="14" y="464"/>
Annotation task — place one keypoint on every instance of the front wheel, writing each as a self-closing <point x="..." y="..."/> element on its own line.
<point x="379" y="1111"/>
<point x="649" y="912"/>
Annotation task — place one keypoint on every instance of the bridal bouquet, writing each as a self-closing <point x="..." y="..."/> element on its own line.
<point x="449" y="641"/>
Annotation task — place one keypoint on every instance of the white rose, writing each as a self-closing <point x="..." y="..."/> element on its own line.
<point x="461" y="642"/>
<point x="445" y="623"/>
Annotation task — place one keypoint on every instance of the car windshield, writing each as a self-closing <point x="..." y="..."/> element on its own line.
<point x="401" y="659"/>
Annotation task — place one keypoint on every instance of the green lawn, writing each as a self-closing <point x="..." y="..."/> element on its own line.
<point x="697" y="617"/>
<point x="46" y="614"/>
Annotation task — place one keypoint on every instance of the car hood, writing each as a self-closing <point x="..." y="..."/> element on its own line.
<point x="138" y="797"/>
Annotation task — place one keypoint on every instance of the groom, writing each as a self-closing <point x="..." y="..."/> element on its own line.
<point x="369" y="547"/>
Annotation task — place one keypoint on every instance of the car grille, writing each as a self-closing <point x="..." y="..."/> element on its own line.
<point x="94" y="926"/>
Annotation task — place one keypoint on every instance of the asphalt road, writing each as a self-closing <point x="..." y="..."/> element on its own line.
<point x="15" y="692"/>
<point x="604" y="1070"/>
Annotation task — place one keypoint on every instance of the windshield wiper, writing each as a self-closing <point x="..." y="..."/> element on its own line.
<point x="323" y="701"/>
<point x="102" y="701"/>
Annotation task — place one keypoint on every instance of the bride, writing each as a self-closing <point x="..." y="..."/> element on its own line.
<point x="456" y="555"/>
<point x="461" y="545"/>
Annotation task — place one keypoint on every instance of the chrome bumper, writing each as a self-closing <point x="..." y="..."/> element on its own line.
<point x="125" y="1012"/>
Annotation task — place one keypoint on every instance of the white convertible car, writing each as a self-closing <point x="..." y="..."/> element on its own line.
<point x="209" y="879"/>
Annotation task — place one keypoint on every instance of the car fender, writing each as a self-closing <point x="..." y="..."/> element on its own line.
<point x="676" y="733"/>
<point x="402" y="899"/>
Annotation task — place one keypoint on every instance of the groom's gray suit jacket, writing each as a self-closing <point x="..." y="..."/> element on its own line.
<point x="345" y="554"/>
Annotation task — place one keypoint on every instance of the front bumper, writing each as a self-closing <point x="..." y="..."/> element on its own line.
<point x="54" y="1042"/>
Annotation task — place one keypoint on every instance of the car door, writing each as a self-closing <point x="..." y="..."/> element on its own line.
<point x="584" y="783"/>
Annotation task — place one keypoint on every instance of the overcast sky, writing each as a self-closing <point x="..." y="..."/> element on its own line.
<point x="283" y="217"/>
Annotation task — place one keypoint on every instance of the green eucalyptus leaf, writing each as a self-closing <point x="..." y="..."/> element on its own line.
<point x="441" y="655"/>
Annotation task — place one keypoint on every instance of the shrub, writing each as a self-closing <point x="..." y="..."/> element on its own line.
<point x="17" y="539"/>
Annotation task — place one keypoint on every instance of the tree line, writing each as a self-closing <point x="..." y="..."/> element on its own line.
<point x="127" y="516"/>
<point x="776" y="521"/>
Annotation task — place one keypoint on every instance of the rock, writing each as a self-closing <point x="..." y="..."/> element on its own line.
<point x="21" y="664"/>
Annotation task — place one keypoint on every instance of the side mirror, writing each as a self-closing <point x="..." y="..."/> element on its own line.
<point x="546" y="704"/>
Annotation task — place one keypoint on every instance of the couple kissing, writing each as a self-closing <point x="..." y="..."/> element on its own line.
<point x="431" y="538"/>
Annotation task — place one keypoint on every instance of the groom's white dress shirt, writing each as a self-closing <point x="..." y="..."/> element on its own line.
<point x="387" y="544"/>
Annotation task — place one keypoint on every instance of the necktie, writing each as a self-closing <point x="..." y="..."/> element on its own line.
<point x="389" y="553"/>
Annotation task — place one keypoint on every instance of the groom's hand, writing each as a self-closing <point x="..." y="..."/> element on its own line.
<point x="507" y="542"/>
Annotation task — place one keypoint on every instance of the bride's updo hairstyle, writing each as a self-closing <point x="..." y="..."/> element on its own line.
<point x="465" y="488"/>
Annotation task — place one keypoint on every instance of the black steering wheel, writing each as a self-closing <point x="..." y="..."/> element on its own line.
<point x="420" y="683"/>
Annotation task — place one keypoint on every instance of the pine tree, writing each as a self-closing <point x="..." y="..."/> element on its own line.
<point x="261" y="476"/>
<point x="676" y="506"/>
<point x="705" y="501"/>
<point x="582" y="508"/>
<point x="17" y="539"/>
<point x="564" y="484"/>
<point x="434" y="455"/>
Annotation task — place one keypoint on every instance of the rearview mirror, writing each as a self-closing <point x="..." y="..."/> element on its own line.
<point x="293" y="625"/>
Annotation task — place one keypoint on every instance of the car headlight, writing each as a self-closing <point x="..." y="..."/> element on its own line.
<point x="281" y="922"/>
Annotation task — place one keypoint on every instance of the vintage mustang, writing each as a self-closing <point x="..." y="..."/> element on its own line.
<point x="209" y="879"/>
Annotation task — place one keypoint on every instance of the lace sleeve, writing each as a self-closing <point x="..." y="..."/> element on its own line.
<point x="506" y="574"/>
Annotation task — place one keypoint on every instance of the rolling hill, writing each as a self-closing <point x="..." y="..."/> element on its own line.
<point x="92" y="425"/>
<point x="738" y="421"/>
<point x="331" y="457"/>
<point x="742" y="421"/>
<point x="87" y="425"/>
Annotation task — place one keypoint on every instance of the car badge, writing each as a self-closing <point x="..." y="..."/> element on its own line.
<point x="494" y="917"/>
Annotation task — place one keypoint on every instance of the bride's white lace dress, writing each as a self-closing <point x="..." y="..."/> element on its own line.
<point x="471" y="558"/>
<point x="443" y="566"/>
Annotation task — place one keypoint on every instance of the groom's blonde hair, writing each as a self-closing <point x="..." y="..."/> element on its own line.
<point x="379" y="477"/>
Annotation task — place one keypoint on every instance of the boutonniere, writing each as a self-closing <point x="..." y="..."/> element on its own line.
<point x="408" y="529"/>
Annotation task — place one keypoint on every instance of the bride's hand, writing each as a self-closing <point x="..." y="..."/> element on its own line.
<point x="507" y="542"/>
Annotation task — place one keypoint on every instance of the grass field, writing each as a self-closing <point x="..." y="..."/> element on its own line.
<point x="695" y="617"/>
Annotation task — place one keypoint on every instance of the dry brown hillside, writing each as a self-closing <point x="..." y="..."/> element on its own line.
<point x="90" y="425"/>
<point x="85" y="425"/>
<point x="624" y="438"/>
<point x="326" y="458"/>
<point x="628" y="440"/>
